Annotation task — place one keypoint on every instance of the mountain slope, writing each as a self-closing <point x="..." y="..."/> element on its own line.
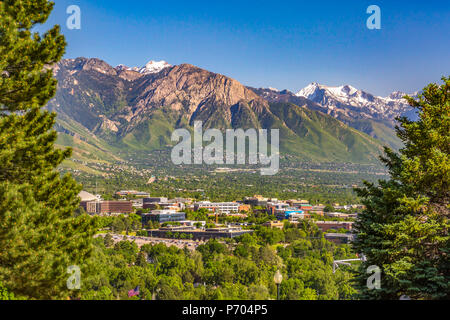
<point x="323" y="136"/>
<point x="354" y="110"/>
<point x="118" y="109"/>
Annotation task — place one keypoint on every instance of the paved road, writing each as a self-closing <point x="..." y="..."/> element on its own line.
<point x="140" y="241"/>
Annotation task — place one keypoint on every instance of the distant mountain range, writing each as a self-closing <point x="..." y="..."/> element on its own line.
<point x="351" y="102"/>
<point x="106" y="111"/>
<point x="361" y="110"/>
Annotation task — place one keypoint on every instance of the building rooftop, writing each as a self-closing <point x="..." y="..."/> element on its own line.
<point x="162" y="212"/>
<point x="339" y="235"/>
<point x="86" y="196"/>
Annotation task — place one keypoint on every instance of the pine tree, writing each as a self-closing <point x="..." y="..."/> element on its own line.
<point x="39" y="235"/>
<point x="404" y="229"/>
<point x="4" y="294"/>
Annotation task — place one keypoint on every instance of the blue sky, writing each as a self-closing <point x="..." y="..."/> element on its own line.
<point x="281" y="44"/>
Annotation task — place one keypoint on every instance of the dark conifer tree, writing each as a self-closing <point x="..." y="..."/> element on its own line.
<point x="39" y="235"/>
<point x="404" y="230"/>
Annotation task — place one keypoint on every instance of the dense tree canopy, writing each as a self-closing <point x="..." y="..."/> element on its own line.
<point x="240" y="268"/>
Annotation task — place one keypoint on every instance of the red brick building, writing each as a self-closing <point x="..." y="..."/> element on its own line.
<point x="111" y="207"/>
<point x="335" y="225"/>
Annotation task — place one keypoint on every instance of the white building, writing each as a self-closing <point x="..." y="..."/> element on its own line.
<point x="164" y="211"/>
<point x="218" y="207"/>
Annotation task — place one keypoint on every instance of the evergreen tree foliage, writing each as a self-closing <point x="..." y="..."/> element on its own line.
<point x="4" y="294"/>
<point x="404" y="229"/>
<point x="39" y="235"/>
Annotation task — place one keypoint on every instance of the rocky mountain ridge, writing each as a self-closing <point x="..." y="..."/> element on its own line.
<point x="128" y="110"/>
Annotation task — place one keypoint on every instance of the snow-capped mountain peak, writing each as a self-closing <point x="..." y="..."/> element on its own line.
<point x="398" y="95"/>
<point x="309" y="91"/>
<point x="154" y="67"/>
<point x="149" y="68"/>
<point x="348" y="101"/>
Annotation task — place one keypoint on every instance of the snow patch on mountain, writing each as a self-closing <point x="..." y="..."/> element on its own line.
<point x="349" y="101"/>
<point x="150" y="68"/>
<point x="154" y="67"/>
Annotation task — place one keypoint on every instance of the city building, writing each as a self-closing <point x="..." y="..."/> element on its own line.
<point x="155" y="200"/>
<point x="256" y="201"/>
<point x="93" y="207"/>
<point x="289" y="213"/>
<point x="318" y="212"/>
<point x="109" y="207"/>
<point x="192" y="223"/>
<point x="335" y="225"/>
<point x="177" y="206"/>
<point x="305" y="206"/>
<point x="116" y="207"/>
<point x="137" y="203"/>
<point x="198" y="234"/>
<point x="124" y="193"/>
<point x="276" y="207"/>
<point x="218" y="207"/>
<point x="181" y="200"/>
<point x="151" y="205"/>
<point x="297" y="203"/>
<point x="240" y="224"/>
<point x="86" y="197"/>
<point x="339" y="238"/>
<point x="340" y="215"/>
<point x="163" y="216"/>
<point x="346" y="207"/>
<point x="244" y="208"/>
<point x="274" y="224"/>
<point x="295" y="216"/>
